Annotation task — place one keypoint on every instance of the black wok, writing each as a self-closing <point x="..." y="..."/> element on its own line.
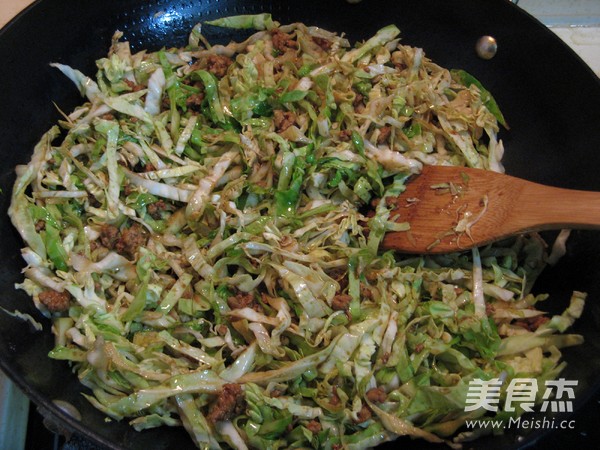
<point x="549" y="97"/>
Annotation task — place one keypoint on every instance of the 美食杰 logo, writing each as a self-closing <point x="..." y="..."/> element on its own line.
<point x="557" y="397"/>
<point x="522" y="391"/>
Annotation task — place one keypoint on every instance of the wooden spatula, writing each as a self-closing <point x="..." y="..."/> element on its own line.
<point x="455" y="208"/>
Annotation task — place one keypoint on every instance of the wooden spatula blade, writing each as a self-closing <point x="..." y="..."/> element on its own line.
<point x="455" y="208"/>
<point x="445" y="208"/>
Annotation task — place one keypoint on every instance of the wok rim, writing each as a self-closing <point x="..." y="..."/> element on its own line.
<point x="73" y="425"/>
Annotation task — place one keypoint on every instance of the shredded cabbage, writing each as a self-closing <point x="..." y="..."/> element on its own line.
<point x="204" y="233"/>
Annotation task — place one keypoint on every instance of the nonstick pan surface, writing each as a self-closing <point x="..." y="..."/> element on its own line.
<point x="550" y="98"/>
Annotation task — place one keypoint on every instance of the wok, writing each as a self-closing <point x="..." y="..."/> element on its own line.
<point x="549" y="97"/>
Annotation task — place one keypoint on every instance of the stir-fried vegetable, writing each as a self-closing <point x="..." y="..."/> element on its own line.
<point x="205" y="229"/>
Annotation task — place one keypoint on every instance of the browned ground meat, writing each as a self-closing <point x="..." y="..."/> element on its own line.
<point x="195" y="100"/>
<point x="341" y="302"/>
<point x="275" y="393"/>
<point x="532" y="323"/>
<point x="358" y="103"/>
<point x="344" y="135"/>
<point x="218" y="64"/>
<point x="131" y="239"/>
<point x="325" y="44"/>
<point x="398" y="61"/>
<point x="155" y="209"/>
<point x="363" y="415"/>
<point x="334" y="400"/>
<point x="55" y="301"/>
<point x="240" y="300"/>
<point x="129" y="189"/>
<point x="366" y="291"/>
<point x="314" y="426"/>
<point x="93" y="201"/>
<point x="371" y="275"/>
<point x="283" y="119"/>
<point x="376" y="395"/>
<point x="229" y="403"/>
<point x="166" y="101"/>
<point x="339" y="275"/>
<point x="133" y="86"/>
<point x="283" y="41"/>
<point x="384" y="134"/>
<point x="358" y="99"/>
<point x="109" y="235"/>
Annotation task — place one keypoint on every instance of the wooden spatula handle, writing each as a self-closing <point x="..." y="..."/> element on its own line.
<point x="539" y="207"/>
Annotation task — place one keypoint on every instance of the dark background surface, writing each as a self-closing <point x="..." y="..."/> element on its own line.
<point x="549" y="97"/>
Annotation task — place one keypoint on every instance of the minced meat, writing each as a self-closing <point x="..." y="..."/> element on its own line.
<point x="363" y="415"/>
<point x="532" y="323"/>
<point x="155" y="209"/>
<point x="131" y="239"/>
<point x="126" y="241"/>
<point x="283" y="119"/>
<point x="325" y="44"/>
<point x="314" y="426"/>
<point x="55" y="301"/>
<point x="229" y="403"/>
<point x="341" y="302"/>
<point x="240" y="300"/>
<point x="218" y="64"/>
<point x="194" y="101"/>
<point x="283" y="41"/>
<point x="345" y="135"/>
<point x="384" y="134"/>
<point x="109" y="235"/>
<point x="376" y="395"/>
